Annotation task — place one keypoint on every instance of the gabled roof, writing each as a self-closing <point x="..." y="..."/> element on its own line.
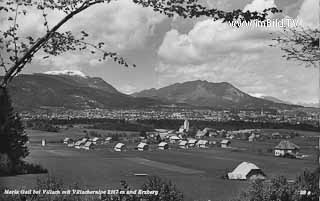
<point x="202" y="142"/>
<point x="286" y="145"/>
<point x="183" y="143"/>
<point x="95" y="139"/>
<point x="200" y="133"/>
<point x="192" y="141"/>
<point x="119" y="145"/>
<point x="88" y="144"/>
<point x="174" y="137"/>
<point x="225" y="142"/>
<point x="142" y="145"/>
<point x="162" y="144"/>
<point x="242" y="170"/>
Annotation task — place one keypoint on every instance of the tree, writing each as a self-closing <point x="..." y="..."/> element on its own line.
<point x="280" y="189"/>
<point x="166" y="189"/>
<point x="300" y="44"/>
<point x="12" y="136"/>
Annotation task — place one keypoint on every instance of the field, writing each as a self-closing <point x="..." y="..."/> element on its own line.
<point x="197" y="172"/>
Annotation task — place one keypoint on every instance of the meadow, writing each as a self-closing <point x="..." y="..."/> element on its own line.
<point x="196" y="172"/>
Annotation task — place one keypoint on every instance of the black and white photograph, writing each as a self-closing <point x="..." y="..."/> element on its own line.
<point x="159" y="100"/>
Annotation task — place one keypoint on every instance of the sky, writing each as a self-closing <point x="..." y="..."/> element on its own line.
<point x="173" y="50"/>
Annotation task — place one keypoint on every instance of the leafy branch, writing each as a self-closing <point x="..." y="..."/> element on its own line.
<point x="300" y="44"/>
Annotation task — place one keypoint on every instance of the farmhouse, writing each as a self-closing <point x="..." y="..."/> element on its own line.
<point x="225" y="143"/>
<point x="88" y="145"/>
<point x="191" y="142"/>
<point x="286" y="148"/>
<point x="203" y="144"/>
<point x="183" y="144"/>
<point x="142" y="146"/>
<point x="163" y="145"/>
<point x="120" y="147"/>
<point x="246" y="171"/>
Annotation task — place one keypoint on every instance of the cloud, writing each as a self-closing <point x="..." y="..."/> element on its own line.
<point x="217" y="52"/>
<point x="208" y="40"/>
<point x="121" y="25"/>
<point x="260" y="5"/>
<point x="309" y="13"/>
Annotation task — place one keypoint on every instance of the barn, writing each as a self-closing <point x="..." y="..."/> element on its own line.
<point x="286" y="147"/>
<point x="246" y="171"/>
<point x="142" y="146"/>
<point x="203" y="144"/>
<point x="163" y="145"/>
<point x="120" y="147"/>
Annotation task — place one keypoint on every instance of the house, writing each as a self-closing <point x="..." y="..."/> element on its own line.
<point x="203" y="144"/>
<point x="251" y="138"/>
<point x="96" y="140"/>
<point x="88" y="145"/>
<point x="67" y="140"/>
<point x="285" y="148"/>
<point x="225" y="143"/>
<point x="191" y="142"/>
<point x="120" y="147"/>
<point x="80" y="143"/>
<point x="201" y="134"/>
<point x="108" y="140"/>
<point x="174" y="139"/>
<point x="183" y="144"/>
<point x="71" y="144"/>
<point x="276" y="135"/>
<point x="43" y="142"/>
<point x="142" y="146"/>
<point x="246" y="171"/>
<point x="163" y="145"/>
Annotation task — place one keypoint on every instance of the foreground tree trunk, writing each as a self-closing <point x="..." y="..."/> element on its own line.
<point x="12" y="136"/>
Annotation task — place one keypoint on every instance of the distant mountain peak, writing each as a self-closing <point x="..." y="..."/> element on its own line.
<point x="66" y="72"/>
<point x="208" y="94"/>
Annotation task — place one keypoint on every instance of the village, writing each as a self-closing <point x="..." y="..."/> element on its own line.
<point x="223" y="161"/>
<point x="207" y="138"/>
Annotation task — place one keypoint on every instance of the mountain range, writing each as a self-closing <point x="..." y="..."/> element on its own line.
<point x="69" y="91"/>
<point x="74" y="90"/>
<point x="221" y="95"/>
